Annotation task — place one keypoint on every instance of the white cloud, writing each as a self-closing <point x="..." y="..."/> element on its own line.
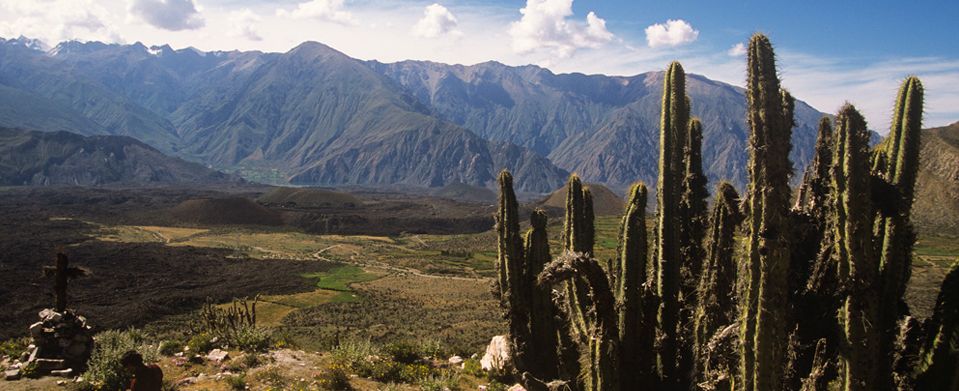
<point x="244" y="24"/>
<point x="737" y="50"/>
<point x="53" y="21"/>
<point x="545" y="25"/>
<point x="173" y="15"/>
<point x="437" y="21"/>
<point x="328" y="10"/>
<point x="674" y="32"/>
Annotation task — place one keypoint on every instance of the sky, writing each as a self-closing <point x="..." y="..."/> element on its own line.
<point x="829" y="52"/>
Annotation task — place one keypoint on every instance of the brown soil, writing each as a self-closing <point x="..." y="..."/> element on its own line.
<point x="225" y="211"/>
<point x="308" y="198"/>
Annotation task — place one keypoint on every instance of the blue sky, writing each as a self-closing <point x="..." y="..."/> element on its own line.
<point x="829" y="51"/>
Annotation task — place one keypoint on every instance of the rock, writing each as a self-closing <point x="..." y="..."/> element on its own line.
<point x="36" y="330"/>
<point x="49" y="364"/>
<point x="218" y="356"/>
<point x="11" y="374"/>
<point x="456" y="360"/>
<point x="186" y="381"/>
<point x="497" y="354"/>
<point x="61" y="382"/>
<point x="77" y="349"/>
<point x="49" y="315"/>
<point x="62" y="373"/>
<point x="516" y="387"/>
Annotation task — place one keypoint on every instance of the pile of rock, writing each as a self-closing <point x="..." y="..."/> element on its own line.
<point x="62" y="344"/>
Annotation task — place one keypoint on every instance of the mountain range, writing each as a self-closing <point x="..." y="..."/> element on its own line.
<point x="321" y="117"/>
<point x="64" y="158"/>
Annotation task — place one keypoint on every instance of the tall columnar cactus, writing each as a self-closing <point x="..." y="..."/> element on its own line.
<point x="692" y="212"/>
<point x="637" y="332"/>
<point x="513" y="282"/>
<point x="938" y="366"/>
<point x="544" y="338"/>
<point x="674" y="125"/>
<point x="852" y="238"/>
<point x="601" y="353"/>
<point x="900" y="155"/>
<point x="814" y="190"/>
<point x="577" y="237"/>
<point x="716" y="307"/>
<point x="763" y="332"/>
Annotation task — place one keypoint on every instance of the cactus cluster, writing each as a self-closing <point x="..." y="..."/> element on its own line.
<point x="810" y="297"/>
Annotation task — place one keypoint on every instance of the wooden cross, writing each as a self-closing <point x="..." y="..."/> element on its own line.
<point x="62" y="272"/>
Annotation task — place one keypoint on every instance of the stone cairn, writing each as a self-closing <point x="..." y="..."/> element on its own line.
<point x="62" y="341"/>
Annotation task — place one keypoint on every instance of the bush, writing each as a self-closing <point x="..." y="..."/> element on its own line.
<point x="169" y="347"/>
<point x="104" y="369"/>
<point x="446" y="381"/>
<point x="353" y="354"/>
<point x="200" y="343"/>
<point x="252" y="339"/>
<point x="236" y="382"/>
<point x="335" y="378"/>
<point x="14" y="347"/>
<point x="472" y="366"/>
<point x="404" y="352"/>
<point x="234" y="325"/>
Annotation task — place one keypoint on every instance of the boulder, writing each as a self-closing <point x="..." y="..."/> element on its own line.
<point x="455" y="360"/>
<point x="497" y="355"/>
<point x="36" y="330"/>
<point x="11" y="374"/>
<point x="218" y="356"/>
<point x="49" y="315"/>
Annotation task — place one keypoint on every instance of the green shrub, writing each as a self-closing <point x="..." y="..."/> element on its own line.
<point x="335" y="378"/>
<point x="354" y="354"/>
<point x="271" y="376"/>
<point x="252" y="339"/>
<point x="104" y="370"/>
<point x="170" y="347"/>
<point x="472" y="367"/>
<point x="200" y="343"/>
<point x="448" y="380"/>
<point x="14" y="347"/>
<point x="404" y="352"/>
<point x="236" y="382"/>
<point x="412" y="373"/>
<point x="432" y="348"/>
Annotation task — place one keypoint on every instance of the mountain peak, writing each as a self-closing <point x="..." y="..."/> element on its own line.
<point x="29" y="43"/>
<point x="313" y="48"/>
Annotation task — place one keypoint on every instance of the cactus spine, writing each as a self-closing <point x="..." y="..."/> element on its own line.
<point x="673" y="128"/>
<point x="633" y="295"/>
<point x="763" y="332"/>
<point x="544" y="337"/>
<point x="900" y="152"/>
<point x="715" y="307"/>
<point x="854" y="251"/>
<point x="814" y="190"/>
<point x="512" y="280"/>
<point x="601" y="353"/>
<point x="938" y="367"/>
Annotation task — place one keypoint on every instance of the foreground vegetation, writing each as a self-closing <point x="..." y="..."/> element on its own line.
<point x="812" y="297"/>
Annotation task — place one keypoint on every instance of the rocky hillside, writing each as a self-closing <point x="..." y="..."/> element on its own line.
<point x="63" y="158"/>
<point x="321" y="117"/>
<point x="605" y="128"/>
<point x="937" y="198"/>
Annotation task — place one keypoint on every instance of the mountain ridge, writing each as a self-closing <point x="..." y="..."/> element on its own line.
<point x="324" y="118"/>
